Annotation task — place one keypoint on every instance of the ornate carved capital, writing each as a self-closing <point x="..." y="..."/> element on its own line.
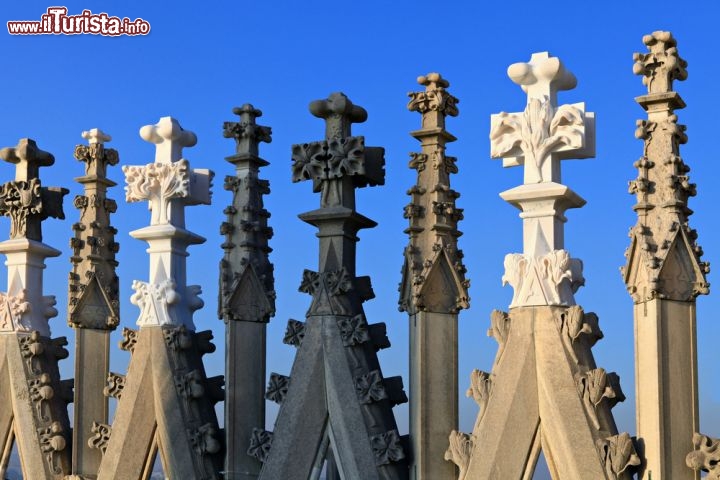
<point x="539" y="132"/>
<point x="246" y="132"/>
<point x="548" y="280"/>
<point x="662" y="64"/>
<point x="435" y="98"/>
<point x="153" y="299"/>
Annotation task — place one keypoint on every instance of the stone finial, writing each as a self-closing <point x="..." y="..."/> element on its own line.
<point x="27" y="158"/>
<point x="435" y="102"/>
<point x="433" y="274"/>
<point x="93" y="288"/>
<point x="539" y="139"/>
<point x="246" y="132"/>
<point x="327" y="163"/>
<point x="24" y="200"/>
<point x="95" y="136"/>
<point x="544" y="133"/>
<point x="96" y="156"/>
<point x="170" y="177"/>
<point x="662" y="64"/>
<point x="170" y="139"/>
<point x="339" y="113"/>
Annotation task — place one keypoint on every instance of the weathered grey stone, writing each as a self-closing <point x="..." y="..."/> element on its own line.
<point x="433" y="286"/>
<point x="246" y="297"/>
<point x="93" y="296"/>
<point x="664" y="272"/>
<point x="336" y="399"/>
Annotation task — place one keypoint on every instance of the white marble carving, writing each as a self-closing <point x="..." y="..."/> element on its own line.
<point x="539" y="138"/>
<point x="168" y="185"/>
<point x="153" y="299"/>
<point x="548" y="280"/>
<point x="12" y="309"/>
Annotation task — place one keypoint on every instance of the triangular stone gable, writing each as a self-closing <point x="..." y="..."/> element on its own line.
<point x="93" y="308"/>
<point x="248" y="300"/>
<point x="442" y="290"/>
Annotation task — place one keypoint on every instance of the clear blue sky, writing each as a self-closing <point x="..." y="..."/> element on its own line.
<point x="200" y="61"/>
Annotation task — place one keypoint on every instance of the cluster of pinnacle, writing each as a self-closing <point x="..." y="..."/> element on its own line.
<point x="336" y="404"/>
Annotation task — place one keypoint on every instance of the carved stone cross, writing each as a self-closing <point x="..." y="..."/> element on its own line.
<point x="170" y="177"/>
<point x="544" y="133"/>
<point x="27" y="158"/>
<point x="95" y="155"/>
<point x="341" y="162"/>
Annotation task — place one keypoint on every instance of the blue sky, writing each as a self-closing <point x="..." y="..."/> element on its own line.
<point x="200" y="61"/>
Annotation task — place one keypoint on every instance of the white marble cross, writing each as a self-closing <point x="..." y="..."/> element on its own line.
<point x="170" y="139"/>
<point x="544" y="133"/>
<point x="95" y="136"/>
<point x="170" y="177"/>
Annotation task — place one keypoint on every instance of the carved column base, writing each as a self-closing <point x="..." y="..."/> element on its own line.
<point x="551" y="279"/>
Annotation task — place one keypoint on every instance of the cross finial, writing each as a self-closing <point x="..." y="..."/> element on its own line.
<point x="27" y="158"/>
<point x="662" y="65"/>
<point x="246" y="132"/>
<point x="95" y="155"/>
<point x="435" y="102"/>
<point x="542" y="77"/>
<point x="169" y="138"/>
<point x="95" y="136"/>
<point x="544" y="133"/>
<point x="339" y="113"/>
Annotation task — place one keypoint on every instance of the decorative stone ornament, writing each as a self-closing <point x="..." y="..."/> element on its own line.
<point x="338" y="406"/>
<point x="539" y="138"/>
<point x="165" y="401"/>
<point x="664" y="272"/>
